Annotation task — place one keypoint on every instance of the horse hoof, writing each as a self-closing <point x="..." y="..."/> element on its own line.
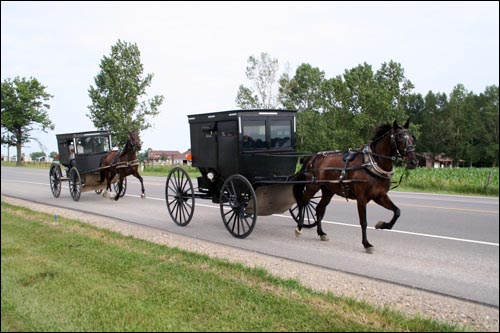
<point x="370" y="250"/>
<point x="143" y="196"/>
<point x="298" y="232"/>
<point x="380" y="225"/>
<point x="324" y="238"/>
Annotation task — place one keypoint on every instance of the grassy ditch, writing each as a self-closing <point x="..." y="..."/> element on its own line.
<point x="65" y="275"/>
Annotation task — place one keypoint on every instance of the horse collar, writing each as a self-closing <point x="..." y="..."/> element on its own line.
<point x="373" y="166"/>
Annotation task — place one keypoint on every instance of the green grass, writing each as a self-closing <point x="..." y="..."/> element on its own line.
<point x="69" y="276"/>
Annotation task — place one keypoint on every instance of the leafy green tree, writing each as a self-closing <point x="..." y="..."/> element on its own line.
<point x="432" y="118"/>
<point x="339" y="118"/>
<point x="459" y="115"/>
<point x="303" y="92"/>
<point x="35" y="155"/>
<point x="262" y="73"/>
<point x="116" y="98"/>
<point x="484" y="127"/>
<point x="24" y="109"/>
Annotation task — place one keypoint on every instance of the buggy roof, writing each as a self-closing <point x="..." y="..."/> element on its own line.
<point x="68" y="136"/>
<point x="223" y="115"/>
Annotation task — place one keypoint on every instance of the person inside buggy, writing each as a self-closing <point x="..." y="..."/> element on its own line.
<point x="71" y="148"/>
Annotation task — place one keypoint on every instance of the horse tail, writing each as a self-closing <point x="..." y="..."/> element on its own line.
<point x="298" y="189"/>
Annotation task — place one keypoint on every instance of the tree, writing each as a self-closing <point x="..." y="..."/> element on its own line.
<point x="116" y="97"/>
<point x="262" y="73"/>
<point x="35" y="155"/>
<point x="54" y="155"/>
<point x="23" y="110"/>
<point x="304" y="93"/>
<point x="434" y="122"/>
<point x="484" y="123"/>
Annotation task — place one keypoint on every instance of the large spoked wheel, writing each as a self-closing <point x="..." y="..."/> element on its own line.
<point x="179" y="195"/>
<point x="309" y="213"/>
<point x="75" y="184"/>
<point x="55" y="176"/>
<point x="124" y="186"/>
<point x="238" y="206"/>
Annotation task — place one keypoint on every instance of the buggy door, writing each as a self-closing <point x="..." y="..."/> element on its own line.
<point x="227" y="140"/>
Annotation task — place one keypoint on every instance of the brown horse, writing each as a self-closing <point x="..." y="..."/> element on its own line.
<point x="363" y="175"/>
<point x="123" y="163"/>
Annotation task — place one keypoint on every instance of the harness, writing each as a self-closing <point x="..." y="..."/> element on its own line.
<point x="369" y="162"/>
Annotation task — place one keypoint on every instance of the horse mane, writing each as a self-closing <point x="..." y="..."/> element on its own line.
<point x="381" y="130"/>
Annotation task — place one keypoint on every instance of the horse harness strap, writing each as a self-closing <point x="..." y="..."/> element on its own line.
<point x="126" y="164"/>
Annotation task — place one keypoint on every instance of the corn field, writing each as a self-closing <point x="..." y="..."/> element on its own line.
<point x="473" y="181"/>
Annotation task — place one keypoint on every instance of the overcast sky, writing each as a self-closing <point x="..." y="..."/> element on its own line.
<point x="198" y="51"/>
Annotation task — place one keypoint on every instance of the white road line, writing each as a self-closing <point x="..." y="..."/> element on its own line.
<point x="330" y="222"/>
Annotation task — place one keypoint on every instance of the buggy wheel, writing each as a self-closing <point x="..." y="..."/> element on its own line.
<point x="55" y="176"/>
<point x="179" y="196"/>
<point x="309" y="213"/>
<point x="75" y="184"/>
<point x="124" y="186"/>
<point x="238" y="206"/>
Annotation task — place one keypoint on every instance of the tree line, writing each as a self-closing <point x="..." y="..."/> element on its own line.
<point x="334" y="113"/>
<point x="342" y="112"/>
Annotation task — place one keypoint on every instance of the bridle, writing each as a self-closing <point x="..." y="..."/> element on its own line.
<point x="134" y="144"/>
<point x="409" y="147"/>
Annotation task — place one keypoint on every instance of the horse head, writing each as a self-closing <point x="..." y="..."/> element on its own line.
<point x="403" y="144"/>
<point x="134" y="142"/>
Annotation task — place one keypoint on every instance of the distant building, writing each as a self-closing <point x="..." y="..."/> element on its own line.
<point x="168" y="157"/>
<point x="438" y="161"/>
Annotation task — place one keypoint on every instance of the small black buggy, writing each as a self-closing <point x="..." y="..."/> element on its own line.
<point x="82" y="169"/>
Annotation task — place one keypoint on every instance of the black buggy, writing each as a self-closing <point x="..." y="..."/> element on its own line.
<point x="247" y="160"/>
<point x="82" y="169"/>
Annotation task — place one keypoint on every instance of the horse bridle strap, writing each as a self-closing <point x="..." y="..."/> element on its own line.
<point x="409" y="147"/>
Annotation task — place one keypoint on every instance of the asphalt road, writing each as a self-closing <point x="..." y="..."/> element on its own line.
<point x="441" y="243"/>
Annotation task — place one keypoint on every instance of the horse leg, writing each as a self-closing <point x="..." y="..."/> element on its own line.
<point x="362" y="221"/>
<point x="298" y="191"/>
<point x="107" y="176"/>
<point x="120" y="187"/>
<point x="388" y="204"/>
<point x="320" y="211"/>
<point x="138" y="176"/>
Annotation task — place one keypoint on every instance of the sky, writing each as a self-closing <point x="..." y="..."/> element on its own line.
<point x="198" y="51"/>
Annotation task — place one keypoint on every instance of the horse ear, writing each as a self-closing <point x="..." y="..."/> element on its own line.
<point x="407" y="124"/>
<point x="395" y="124"/>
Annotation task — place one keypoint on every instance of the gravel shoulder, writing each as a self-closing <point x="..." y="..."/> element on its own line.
<point x="407" y="300"/>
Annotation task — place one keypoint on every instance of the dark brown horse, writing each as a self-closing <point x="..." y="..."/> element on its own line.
<point x="363" y="175"/>
<point x="122" y="163"/>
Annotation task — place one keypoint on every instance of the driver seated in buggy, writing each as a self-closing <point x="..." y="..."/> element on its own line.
<point x="71" y="148"/>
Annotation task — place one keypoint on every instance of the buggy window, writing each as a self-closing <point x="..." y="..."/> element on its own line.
<point x="95" y="144"/>
<point x="254" y="134"/>
<point x="280" y="134"/>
